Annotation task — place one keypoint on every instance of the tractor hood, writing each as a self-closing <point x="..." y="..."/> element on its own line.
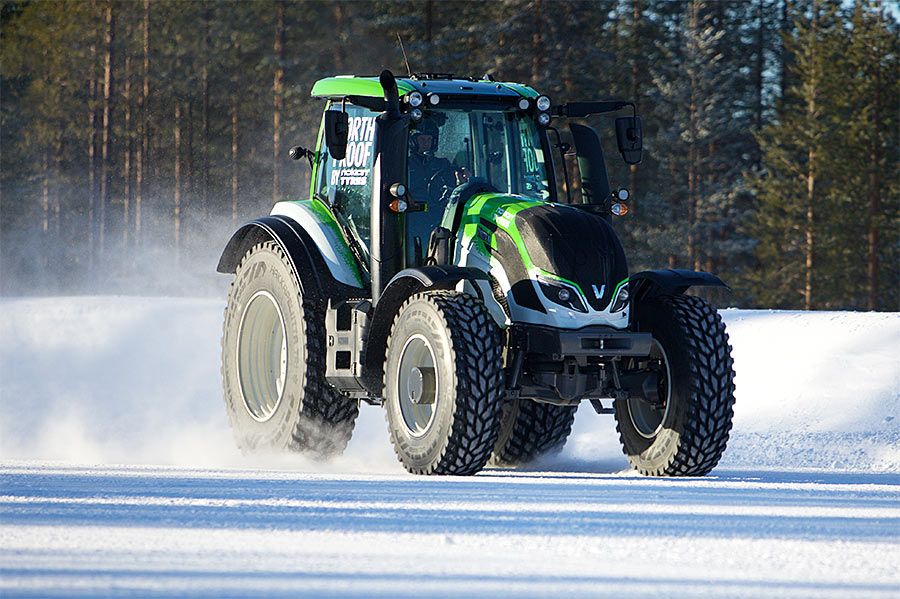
<point x="536" y="249"/>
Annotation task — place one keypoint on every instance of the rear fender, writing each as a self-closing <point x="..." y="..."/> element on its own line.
<point x="314" y="276"/>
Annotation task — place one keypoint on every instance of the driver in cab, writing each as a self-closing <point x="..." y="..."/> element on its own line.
<point x="431" y="178"/>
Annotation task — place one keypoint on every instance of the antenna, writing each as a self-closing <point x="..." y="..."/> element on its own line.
<point x="405" y="59"/>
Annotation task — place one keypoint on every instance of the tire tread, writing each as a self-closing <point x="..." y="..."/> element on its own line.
<point x="476" y="355"/>
<point x="709" y="416"/>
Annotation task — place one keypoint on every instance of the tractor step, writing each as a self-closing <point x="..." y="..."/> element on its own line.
<point x="345" y="326"/>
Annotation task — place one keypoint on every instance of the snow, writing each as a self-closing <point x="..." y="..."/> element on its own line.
<point x="118" y="476"/>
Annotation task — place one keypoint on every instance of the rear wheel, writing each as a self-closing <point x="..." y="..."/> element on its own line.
<point x="681" y="427"/>
<point x="273" y="363"/>
<point x="443" y="383"/>
<point x="530" y="430"/>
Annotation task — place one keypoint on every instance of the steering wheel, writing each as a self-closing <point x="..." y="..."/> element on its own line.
<point x="450" y="179"/>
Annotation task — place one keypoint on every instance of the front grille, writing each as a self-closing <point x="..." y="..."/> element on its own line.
<point x="577" y="246"/>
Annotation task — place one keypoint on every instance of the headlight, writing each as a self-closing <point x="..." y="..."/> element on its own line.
<point x="414" y="99"/>
<point x="415" y="114"/>
<point x="562" y="294"/>
<point x="543" y="119"/>
<point x="523" y="104"/>
<point x="434" y="99"/>
<point x="621" y="300"/>
<point x="543" y="103"/>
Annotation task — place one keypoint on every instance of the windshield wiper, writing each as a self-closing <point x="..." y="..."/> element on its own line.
<point x="348" y="229"/>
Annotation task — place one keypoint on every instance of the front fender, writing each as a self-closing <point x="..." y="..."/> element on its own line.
<point x="669" y="281"/>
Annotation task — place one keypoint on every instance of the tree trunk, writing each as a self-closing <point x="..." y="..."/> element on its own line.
<point x="126" y="155"/>
<point x="873" y="232"/>
<point x="278" y="100"/>
<point x="204" y="86"/>
<point x="92" y="156"/>
<point x="760" y="68"/>
<point x="234" y="137"/>
<point x="429" y="28"/>
<point x="784" y="57"/>
<point x="693" y="175"/>
<point x="812" y="92"/>
<point x="636" y="53"/>
<point x="144" y="107"/>
<point x="58" y="178"/>
<point x="537" y="43"/>
<point x="45" y="196"/>
<point x="340" y="47"/>
<point x="177" y="192"/>
<point x="105" y="153"/>
<point x="189" y="178"/>
<point x="234" y="160"/>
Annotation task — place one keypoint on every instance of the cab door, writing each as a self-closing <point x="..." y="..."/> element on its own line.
<point x="347" y="184"/>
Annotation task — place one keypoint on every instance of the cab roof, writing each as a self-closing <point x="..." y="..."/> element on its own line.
<point x="341" y="86"/>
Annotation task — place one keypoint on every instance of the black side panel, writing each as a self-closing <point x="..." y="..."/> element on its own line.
<point x="440" y="276"/>
<point x="386" y="229"/>
<point x="591" y="165"/>
<point x="522" y="288"/>
<point x="575" y="245"/>
<point x="461" y="195"/>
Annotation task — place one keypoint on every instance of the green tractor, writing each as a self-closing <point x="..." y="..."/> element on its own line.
<point x="435" y="272"/>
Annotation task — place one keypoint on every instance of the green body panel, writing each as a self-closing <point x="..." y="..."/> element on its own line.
<point x="342" y="86"/>
<point x="500" y="210"/>
<point x="338" y="87"/>
<point x="317" y="159"/>
<point x="325" y="220"/>
<point x="522" y="90"/>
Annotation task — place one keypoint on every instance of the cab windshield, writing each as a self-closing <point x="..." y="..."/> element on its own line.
<point x="451" y="146"/>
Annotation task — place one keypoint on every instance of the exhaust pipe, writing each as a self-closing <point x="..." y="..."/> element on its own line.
<point x="391" y="95"/>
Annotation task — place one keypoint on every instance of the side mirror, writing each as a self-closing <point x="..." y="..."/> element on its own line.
<point x="630" y="138"/>
<point x="337" y="127"/>
<point x="298" y="152"/>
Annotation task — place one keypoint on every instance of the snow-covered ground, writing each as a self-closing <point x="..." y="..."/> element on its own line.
<point x="118" y="476"/>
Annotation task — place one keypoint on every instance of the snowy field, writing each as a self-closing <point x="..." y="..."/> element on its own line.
<point x="118" y="477"/>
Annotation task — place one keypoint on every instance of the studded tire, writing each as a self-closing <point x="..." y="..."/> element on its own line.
<point x="308" y="415"/>
<point x="530" y="430"/>
<point x="465" y="349"/>
<point x="694" y="432"/>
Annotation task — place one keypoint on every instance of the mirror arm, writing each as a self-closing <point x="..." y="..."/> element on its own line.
<point x="298" y="152"/>
<point x="583" y="109"/>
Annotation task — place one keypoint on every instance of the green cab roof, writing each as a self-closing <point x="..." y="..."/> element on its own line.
<point x="345" y="85"/>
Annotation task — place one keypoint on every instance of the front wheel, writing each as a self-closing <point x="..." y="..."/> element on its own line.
<point x="443" y="383"/>
<point x="682" y="428"/>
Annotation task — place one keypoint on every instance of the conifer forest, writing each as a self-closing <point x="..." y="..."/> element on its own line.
<point x="135" y="135"/>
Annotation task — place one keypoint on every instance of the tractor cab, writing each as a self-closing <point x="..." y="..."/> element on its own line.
<point x="457" y="131"/>
<point x="449" y="138"/>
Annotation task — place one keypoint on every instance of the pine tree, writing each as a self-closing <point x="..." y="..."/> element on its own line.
<point x="795" y="194"/>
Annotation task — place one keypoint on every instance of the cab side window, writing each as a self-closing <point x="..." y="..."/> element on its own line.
<point x="347" y="183"/>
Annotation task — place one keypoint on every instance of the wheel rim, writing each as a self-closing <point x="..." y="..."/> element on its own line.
<point x="417" y="385"/>
<point x="647" y="419"/>
<point x="262" y="356"/>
